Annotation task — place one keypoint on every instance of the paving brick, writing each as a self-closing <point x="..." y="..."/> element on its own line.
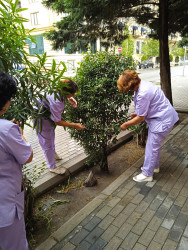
<point x="113" y="244"/>
<point x="124" y="230"/>
<point x="175" y="234"/>
<point x="145" y="190"/>
<point x="152" y="194"/>
<point x="155" y="204"/>
<point x="154" y="246"/>
<point x="148" y="215"/>
<point x="68" y="246"/>
<point x="141" y="208"/>
<point x="133" y="191"/>
<point x="109" y="233"/>
<point x="181" y="221"/>
<point x="154" y="223"/>
<point x="103" y="212"/>
<point x="79" y="236"/>
<point x="161" y="235"/>
<point x="168" y="202"/>
<point x="129" y="241"/>
<point x="113" y="201"/>
<point x="180" y="200"/>
<point x="168" y="223"/>
<point x="162" y="211"/>
<point x="174" y="211"/>
<point x="139" y="227"/>
<point x="146" y="237"/>
<point x="139" y="247"/>
<point x="120" y="219"/>
<point x="185" y="207"/>
<point x="183" y="245"/>
<point x="186" y="231"/>
<point x="116" y="210"/>
<point x="106" y="222"/>
<point x="94" y="235"/>
<point x="83" y="246"/>
<point x="92" y="223"/>
<point x="122" y="192"/>
<point x="137" y="199"/>
<point x="133" y="218"/>
<point x="129" y="209"/>
<point x="99" y="244"/>
<point x="126" y="200"/>
<point x="170" y="245"/>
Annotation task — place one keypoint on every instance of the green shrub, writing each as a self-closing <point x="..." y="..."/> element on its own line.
<point x="143" y="58"/>
<point x="101" y="108"/>
<point x="170" y="57"/>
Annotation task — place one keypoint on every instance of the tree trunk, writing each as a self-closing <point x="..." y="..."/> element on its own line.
<point x="164" y="49"/>
<point x="104" y="161"/>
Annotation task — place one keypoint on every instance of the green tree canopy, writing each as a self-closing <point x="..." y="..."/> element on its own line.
<point x="88" y="20"/>
<point x="151" y="48"/>
<point x="102" y="109"/>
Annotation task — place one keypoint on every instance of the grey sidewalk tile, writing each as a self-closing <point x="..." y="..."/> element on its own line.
<point x="103" y="212"/>
<point x="68" y="246"/>
<point x="98" y="245"/>
<point x="174" y="211"/>
<point x="113" y="202"/>
<point x="106" y="222"/>
<point x="145" y="190"/>
<point x="142" y="207"/>
<point x="130" y="241"/>
<point x="94" y="235"/>
<point x="154" y="246"/>
<point x="120" y="219"/>
<point x="186" y="231"/>
<point x="83" y="246"/>
<point x="183" y="245"/>
<point x="146" y="237"/>
<point x="148" y="215"/>
<point x="133" y="192"/>
<point x="155" y="223"/>
<point x="181" y="221"/>
<point x="124" y="230"/>
<point x="125" y="200"/>
<point x="79" y="236"/>
<point x="129" y="209"/>
<point x="161" y="235"/>
<point x="175" y="234"/>
<point x="122" y="192"/>
<point x="139" y="247"/>
<point x="162" y="211"/>
<point x="168" y="222"/>
<point x="109" y="233"/>
<point x="116" y="210"/>
<point x="113" y="244"/>
<point x="133" y="218"/>
<point x="92" y="223"/>
<point x="139" y="227"/>
<point x="155" y="204"/>
<point x="170" y="245"/>
<point x="185" y="207"/>
<point x="137" y="199"/>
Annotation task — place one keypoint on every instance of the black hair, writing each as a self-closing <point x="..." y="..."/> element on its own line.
<point x="8" y="89"/>
<point x="72" y="87"/>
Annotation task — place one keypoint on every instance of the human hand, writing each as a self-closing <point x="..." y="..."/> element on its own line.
<point x="123" y="126"/>
<point x="79" y="126"/>
<point x="72" y="101"/>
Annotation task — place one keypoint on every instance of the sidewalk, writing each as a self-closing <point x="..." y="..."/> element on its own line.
<point x="130" y="215"/>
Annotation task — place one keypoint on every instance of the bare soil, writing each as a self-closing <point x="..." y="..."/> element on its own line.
<point x="57" y="206"/>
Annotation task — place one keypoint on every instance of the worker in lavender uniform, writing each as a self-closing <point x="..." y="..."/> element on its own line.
<point x="56" y="107"/>
<point x="152" y="106"/>
<point x="14" y="152"/>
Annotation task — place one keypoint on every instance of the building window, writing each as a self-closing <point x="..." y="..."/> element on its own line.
<point x="142" y="48"/>
<point x="137" y="47"/>
<point x="34" y="18"/>
<point x="36" y="47"/>
<point x="143" y="31"/>
<point x="135" y="28"/>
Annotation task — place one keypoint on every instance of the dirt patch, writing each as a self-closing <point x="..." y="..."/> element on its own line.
<point x="57" y="206"/>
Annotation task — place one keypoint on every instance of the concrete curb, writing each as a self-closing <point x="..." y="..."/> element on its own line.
<point x="50" y="180"/>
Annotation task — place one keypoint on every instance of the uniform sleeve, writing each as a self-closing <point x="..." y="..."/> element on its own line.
<point x="56" y="109"/>
<point x="142" y="104"/>
<point x="16" y="146"/>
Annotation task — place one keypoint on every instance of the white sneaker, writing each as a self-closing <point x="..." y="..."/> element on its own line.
<point x="141" y="177"/>
<point x="156" y="170"/>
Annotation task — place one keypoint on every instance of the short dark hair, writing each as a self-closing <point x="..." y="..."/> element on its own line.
<point x="8" y="88"/>
<point x="71" y="88"/>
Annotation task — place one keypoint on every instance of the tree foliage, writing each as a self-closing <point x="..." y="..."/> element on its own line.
<point x="151" y="48"/>
<point x="128" y="46"/>
<point x="102" y="109"/>
<point x="32" y="78"/>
